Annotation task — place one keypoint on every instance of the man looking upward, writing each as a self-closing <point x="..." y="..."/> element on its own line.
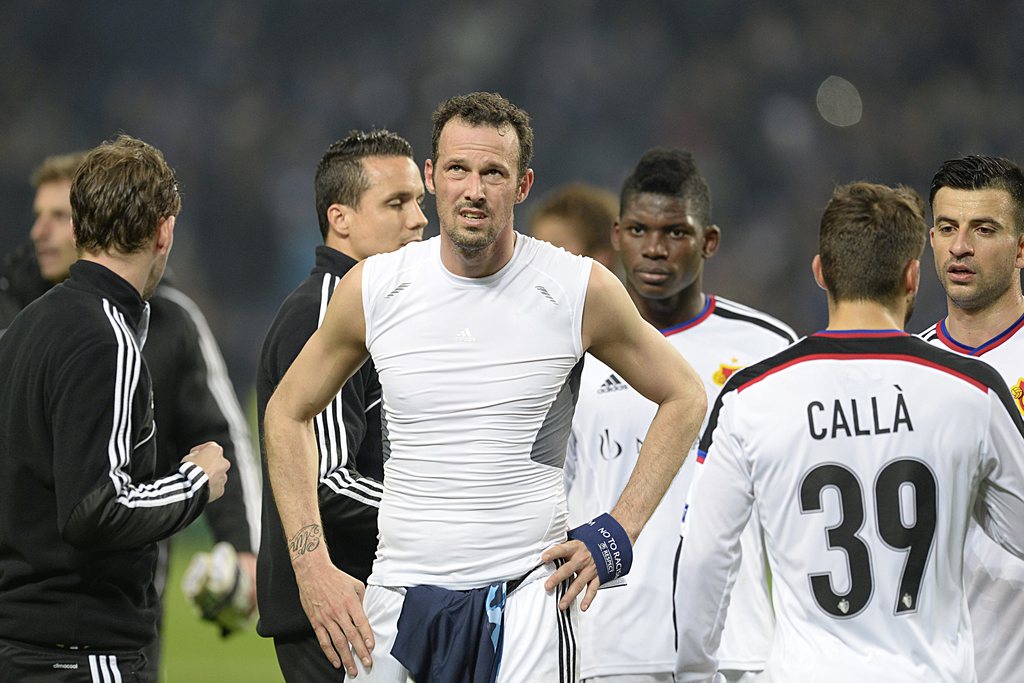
<point x="477" y="336"/>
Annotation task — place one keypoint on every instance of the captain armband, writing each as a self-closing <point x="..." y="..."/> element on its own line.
<point x="608" y="543"/>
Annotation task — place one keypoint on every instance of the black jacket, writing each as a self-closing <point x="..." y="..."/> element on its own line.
<point x="193" y="396"/>
<point x="195" y="402"/>
<point x="80" y="502"/>
<point x="21" y="283"/>
<point x="348" y="435"/>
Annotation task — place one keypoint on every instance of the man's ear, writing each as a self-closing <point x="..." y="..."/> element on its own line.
<point x="525" y="183"/>
<point x="712" y="238"/>
<point x="428" y="175"/>
<point x="165" y="234"/>
<point x="816" y="269"/>
<point x="338" y="220"/>
<point x="912" y="277"/>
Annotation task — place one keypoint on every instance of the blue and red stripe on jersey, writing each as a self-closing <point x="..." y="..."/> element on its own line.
<point x="943" y="334"/>
<point x="709" y="307"/>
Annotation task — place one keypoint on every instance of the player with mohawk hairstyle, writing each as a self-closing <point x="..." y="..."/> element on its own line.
<point x="664" y="235"/>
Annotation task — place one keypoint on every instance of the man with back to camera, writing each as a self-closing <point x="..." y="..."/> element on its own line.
<point x="978" y="243"/>
<point x="80" y="504"/>
<point x="864" y="479"/>
<point x="193" y="398"/>
<point x="369" y="197"/>
<point x="477" y="336"/>
<point x="663" y="236"/>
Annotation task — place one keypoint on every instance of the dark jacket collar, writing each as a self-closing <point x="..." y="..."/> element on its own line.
<point x="332" y="261"/>
<point x="100" y="280"/>
<point x="20" y="276"/>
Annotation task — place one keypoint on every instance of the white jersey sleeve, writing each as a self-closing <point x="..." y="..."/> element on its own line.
<point x="712" y="551"/>
<point x="999" y="507"/>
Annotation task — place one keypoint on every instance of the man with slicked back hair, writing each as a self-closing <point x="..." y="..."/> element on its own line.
<point x="369" y="196"/>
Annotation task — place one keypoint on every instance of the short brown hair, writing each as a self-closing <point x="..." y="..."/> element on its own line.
<point x="485" y="109"/>
<point x="869" y="233"/>
<point x="590" y="209"/>
<point x="57" y="167"/>
<point x="120" y="193"/>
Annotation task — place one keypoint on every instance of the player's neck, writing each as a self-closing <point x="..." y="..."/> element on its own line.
<point x="665" y="313"/>
<point x="977" y="326"/>
<point x="340" y="245"/>
<point x="864" y="315"/>
<point x="133" y="268"/>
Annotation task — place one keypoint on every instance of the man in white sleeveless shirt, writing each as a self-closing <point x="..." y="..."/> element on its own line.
<point x="477" y="336"/>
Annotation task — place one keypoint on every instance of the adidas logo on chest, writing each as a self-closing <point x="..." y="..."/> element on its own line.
<point x="613" y="383"/>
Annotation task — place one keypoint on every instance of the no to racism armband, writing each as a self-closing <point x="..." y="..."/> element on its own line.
<point x="609" y="544"/>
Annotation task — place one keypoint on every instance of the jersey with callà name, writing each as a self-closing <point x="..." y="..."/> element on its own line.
<point x="479" y="379"/>
<point x="863" y="456"/>
<point x="994" y="578"/>
<point x="629" y="629"/>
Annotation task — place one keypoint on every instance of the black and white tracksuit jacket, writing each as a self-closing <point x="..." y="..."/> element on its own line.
<point x="193" y="396"/>
<point x="348" y="436"/>
<point x="81" y="499"/>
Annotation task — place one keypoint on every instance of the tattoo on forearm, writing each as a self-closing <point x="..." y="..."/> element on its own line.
<point x="306" y="540"/>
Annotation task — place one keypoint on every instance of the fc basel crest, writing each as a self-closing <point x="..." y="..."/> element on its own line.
<point x="724" y="372"/>
<point x="1018" y="394"/>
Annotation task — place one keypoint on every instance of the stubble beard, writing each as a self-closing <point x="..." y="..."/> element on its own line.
<point x="986" y="291"/>
<point x="155" y="275"/>
<point x="910" y="310"/>
<point x="471" y="241"/>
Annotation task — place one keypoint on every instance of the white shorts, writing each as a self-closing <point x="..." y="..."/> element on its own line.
<point x="724" y="676"/>
<point x="738" y="676"/>
<point x="539" y="641"/>
<point x="664" y="677"/>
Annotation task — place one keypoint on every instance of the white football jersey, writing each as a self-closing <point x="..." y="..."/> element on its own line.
<point x="630" y="628"/>
<point x="993" y="578"/>
<point x="478" y="379"/>
<point x="863" y="455"/>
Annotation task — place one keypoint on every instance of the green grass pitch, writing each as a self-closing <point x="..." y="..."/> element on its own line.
<point x="194" y="652"/>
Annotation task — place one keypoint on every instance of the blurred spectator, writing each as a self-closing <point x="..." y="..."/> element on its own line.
<point x="237" y="97"/>
<point x="578" y="218"/>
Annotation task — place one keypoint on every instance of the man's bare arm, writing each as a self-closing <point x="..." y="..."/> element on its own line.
<point x="332" y="599"/>
<point x="615" y="334"/>
<point x="650" y="364"/>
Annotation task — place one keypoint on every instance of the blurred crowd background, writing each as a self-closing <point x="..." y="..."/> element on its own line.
<point x="779" y="101"/>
